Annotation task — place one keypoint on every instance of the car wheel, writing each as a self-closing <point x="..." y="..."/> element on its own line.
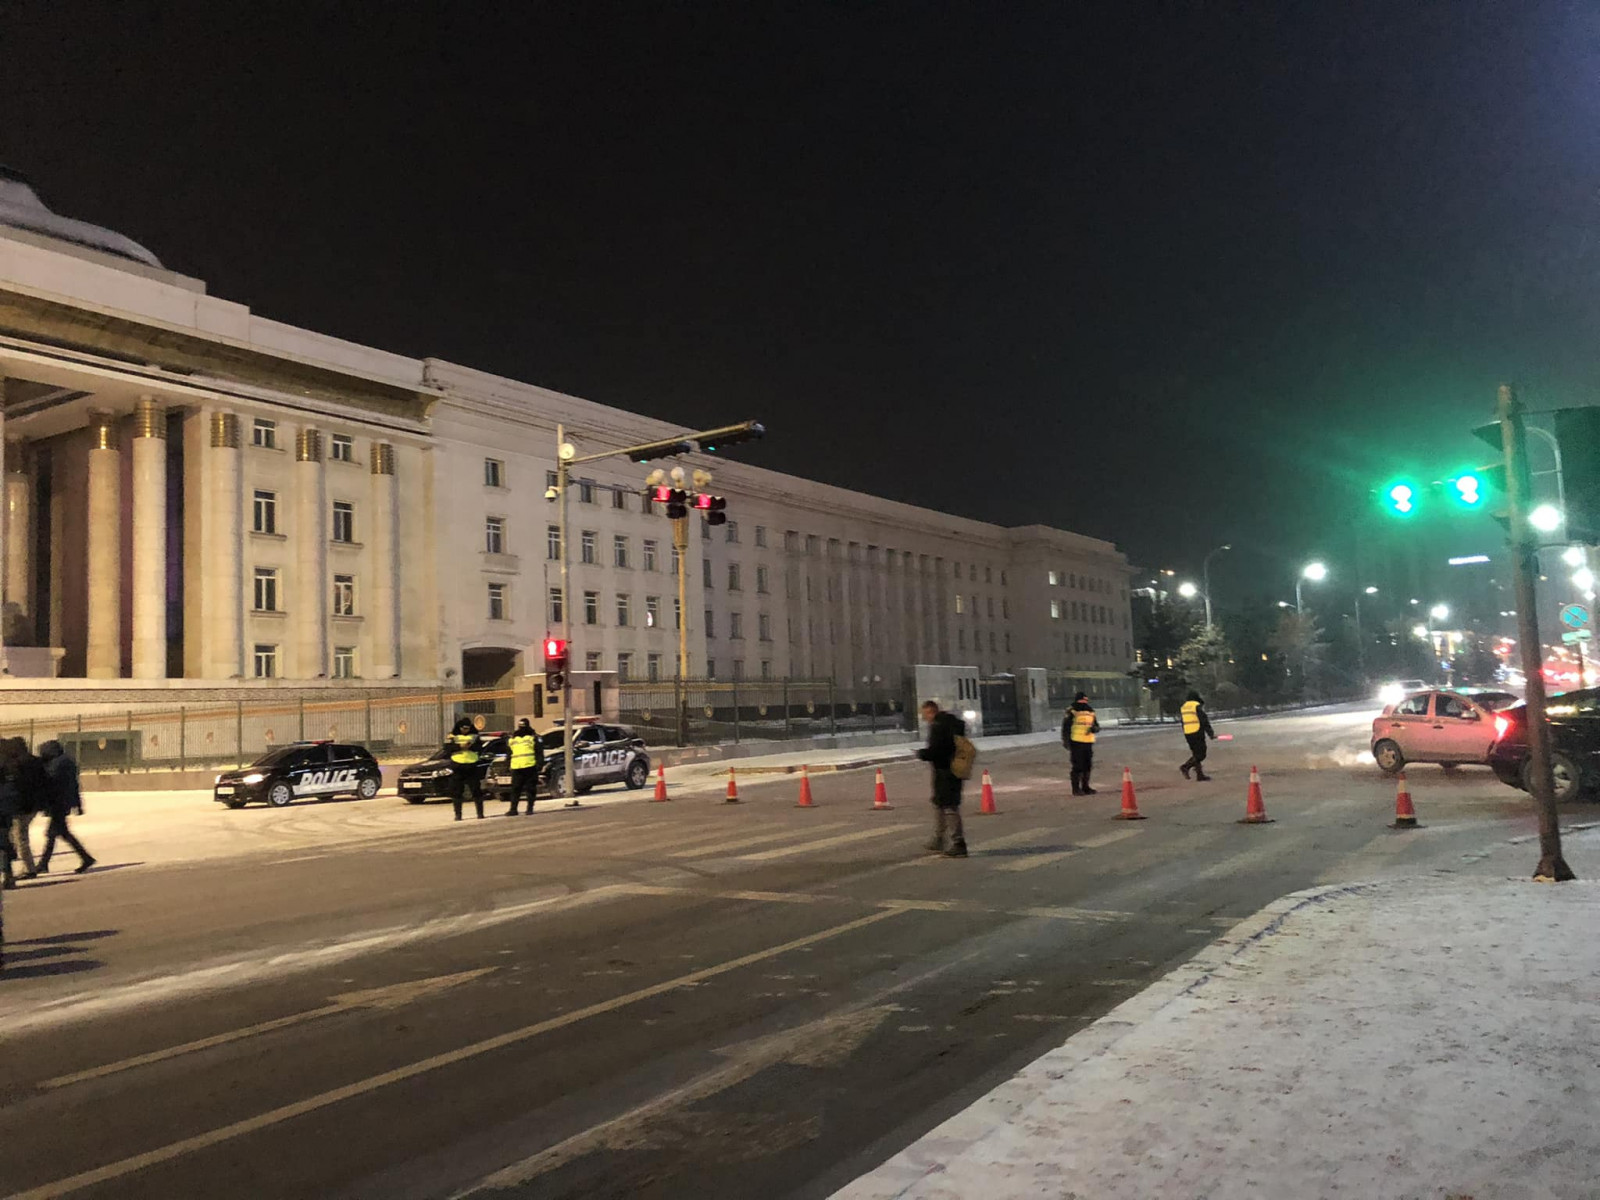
<point x="1388" y="757"/>
<point x="279" y="795"/>
<point x="556" y="784"/>
<point x="234" y="803"/>
<point x="416" y="799"/>
<point x="638" y="774"/>
<point x="1449" y="766"/>
<point x="1563" y="773"/>
<point x="368" y="788"/>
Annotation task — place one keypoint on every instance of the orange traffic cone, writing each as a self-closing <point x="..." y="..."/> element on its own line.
<point x="661" y="784"/>
<point x="805" y="789"/>
<point x="986" y="808"/>
<point x="1130" y="802"/>
<point x="1405" y="817"/>
<point x="1255" y="811"/>
<point x="733" y="788"/>
<point x="880" y="794"/>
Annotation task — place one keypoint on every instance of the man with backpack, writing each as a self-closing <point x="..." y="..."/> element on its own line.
<point x="951" y="755"/>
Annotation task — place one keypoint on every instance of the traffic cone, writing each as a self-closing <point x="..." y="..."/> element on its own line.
<point x="986" y="807"/>
<point x="661" y="784"/>
<point x="1130" y="802"/>
<point x="1405" y="817"/>
<point x="1255" y="811"/>
<point x="880" y="794"/>
<point x="805" y="789"/>
<point x="733" y="788"/>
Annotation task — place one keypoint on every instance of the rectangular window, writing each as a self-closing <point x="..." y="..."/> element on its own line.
<point x="585" y="491"/>
<point x="497" y="602"/>
<point x="989" y="606"/>
<point x="266" y="589"/>
<point x="991" y="642"/>
<point x="552" y="542"/>
<point x="733" y="531"/>
<point x="650" y="551"/>
<point x="586" y="546"/>
<point x="344" y="662"/>
<point x="344" y="595"/>
<point x="619" y="499"/>
<point x="766" y="668"/>
<point x="266" y="660"/>
<point x="961" y="639"/>
<point x="736" y="625"/>
<point x="733" y="577"/>
<point x="705" y="565"/>
<point x="265" y="512"/>
<point x="764" y="627"/>
<point x="557" y="609"/>
<point x="762" y="583"/>
<point x="619" y="551"/>
<point x="494" y="473"/>
<point x="591" y="661"/>
<point x="961" y="603"/>
<point x="624" y="665"/>
<point x="344" y="521"/>
<point x="711" y="623"/>
<point x="652" y="612"/>
<point x="494" y="535"/>
<point x="591" y="608"/>
<point x="264" y="433"/>
<point x="624" y="609"/>
<point x="342" y="448"/>
<point x="711" y="668"/>
<point x="1005" y="608"/>
<point x="988" y="574"/>
<point x="652" y="667"/>
<point x="1054" y="578"/>
<point x="1008" y="643"/>
<point x="738" y="668"/>
<point x="677" y="562"/>
<point x="1055" y="610"/>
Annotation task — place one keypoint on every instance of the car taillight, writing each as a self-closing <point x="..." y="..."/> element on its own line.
<point x="1501" y="724"/>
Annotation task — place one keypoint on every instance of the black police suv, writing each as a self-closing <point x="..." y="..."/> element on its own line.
<point x="601" y="754"/>
<point x="1574" y="721"/>
<point x="297" y="771"/>
<point x="430" y="778"/>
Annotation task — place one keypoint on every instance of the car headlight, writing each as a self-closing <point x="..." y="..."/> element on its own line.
<point x="216" y="781"/>
<point x="253" y="777"/>
<point x="441" y="773"/>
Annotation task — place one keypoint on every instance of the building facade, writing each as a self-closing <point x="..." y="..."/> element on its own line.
<point x="194" y="494"/>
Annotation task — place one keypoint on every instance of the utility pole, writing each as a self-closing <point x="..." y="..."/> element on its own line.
<point x="680" y="548"/>
<point x="1525" y="564"/>
<point x="569" y="775"/>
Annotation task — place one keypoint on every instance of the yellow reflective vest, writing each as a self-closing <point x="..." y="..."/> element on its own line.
<point x="1191" y="716"/>
<point x="1083" y="723"/>
<point x="466" y="751"/>
<point x="524" y="750"/>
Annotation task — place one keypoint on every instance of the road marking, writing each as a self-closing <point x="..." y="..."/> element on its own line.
<point x="1067" y="913"/>
<point x="1032" y="861"/>
<point x="741" y="843"/>
<point x="392" y="996"/>
<point x="288" y="1112"/>
<point x="999" y="843"/>
<point x="819" y="844"/>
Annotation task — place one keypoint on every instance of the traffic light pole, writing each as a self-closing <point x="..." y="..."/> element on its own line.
<point x="569" y="773"/>
<point x="680" y="544"/>
<point x="1524" y="554"/>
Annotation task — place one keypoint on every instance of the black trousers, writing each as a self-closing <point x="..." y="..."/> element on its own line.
<point x="464" y="779"/>
<point x="1197" y="750"/>
<point x="1082" y="764"/>
<point x="524" y="781"/>
<point x="58" y="829"/>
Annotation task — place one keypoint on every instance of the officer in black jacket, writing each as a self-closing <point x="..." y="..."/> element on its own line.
<point x="1077" y="735"/>
<point x="465" y="751"/>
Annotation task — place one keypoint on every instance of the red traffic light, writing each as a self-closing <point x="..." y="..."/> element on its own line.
<point x="554" y="648"/>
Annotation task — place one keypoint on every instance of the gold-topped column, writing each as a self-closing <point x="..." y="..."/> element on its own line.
<point x="223" y="568"/>
<point x="149" y="574"/>
<point x="19" y="530"/>
<point x="103" y="551"/>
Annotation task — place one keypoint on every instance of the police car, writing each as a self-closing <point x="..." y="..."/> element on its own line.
<point x="300" y="770"/>
<point x="430" y="778"/>
<point x="601" y="754"/>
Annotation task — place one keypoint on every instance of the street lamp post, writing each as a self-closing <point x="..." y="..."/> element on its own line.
<point x="1316" y="572"/>
<point x="1205" y="577"/>
<point x="1361" y="645"/>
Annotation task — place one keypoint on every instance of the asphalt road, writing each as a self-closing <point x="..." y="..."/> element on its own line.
<point x="644" y="1000"/>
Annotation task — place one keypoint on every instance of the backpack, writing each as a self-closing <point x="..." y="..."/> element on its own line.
<point x="961" y="761"/>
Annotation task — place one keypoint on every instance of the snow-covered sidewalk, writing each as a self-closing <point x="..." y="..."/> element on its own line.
<point x="1433" y="1037"/>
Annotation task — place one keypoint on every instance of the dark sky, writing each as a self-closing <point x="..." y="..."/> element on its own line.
<point x="1166" y="274"/>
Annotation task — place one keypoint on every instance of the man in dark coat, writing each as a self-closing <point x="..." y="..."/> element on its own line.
<point x="31" y="800"/>
<point x="10" y="803"/>
<point x="943" y="729"/>
<point x="63" y="798"/>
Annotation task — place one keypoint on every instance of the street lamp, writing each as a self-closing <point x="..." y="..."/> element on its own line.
<point x="1546" y="518"/>
<point x="1361" y="646"/>
<point x="1205" y="575"/>
<point x="1187" y="590"/>
<point x="1316" y="572"/>
<point x="1574" y="556"/>
<point x="1439" y="612"/>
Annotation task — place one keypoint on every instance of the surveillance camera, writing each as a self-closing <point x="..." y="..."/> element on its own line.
<point x="550" y="493"/>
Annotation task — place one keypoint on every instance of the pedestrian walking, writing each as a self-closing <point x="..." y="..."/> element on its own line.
<point x="1078" y="728"/>
<point x="1196" y="729"/>
<point x="63" y="798"/>
<point x="946" y="732"/>
<point x="30" y="802"/>
<point x="10" y="804"/>
<point x="465" y="748"/>
<point x="527" y="763"/>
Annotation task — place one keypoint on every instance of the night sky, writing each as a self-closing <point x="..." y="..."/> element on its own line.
<point x="1165" y="274"/>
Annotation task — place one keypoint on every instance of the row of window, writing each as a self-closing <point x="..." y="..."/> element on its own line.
<point x="264" y="433"/>
<point x="1070" y="579"/>
<point x="267" y="665"/>
<point x="1094" y="643"/>
<point x="267" y="593"/>
<point x="736" y="625"/>
<point x="962" y="606"/>
<point x="1096" y="614"/>
<point x="977" y="643"/>
<point x="264" y="516"/>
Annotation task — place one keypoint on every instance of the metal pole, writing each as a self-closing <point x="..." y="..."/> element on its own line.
<point x="680" y="543"/>
<point x="302" y="736"/>
<point x="1524" y="555"/>
<point x="368" y="741"/>
<point x="786" y="708"/>
<point x="183" y="732"/>
<point x="238" y="731"/>
<point x="833" y="713"/>
<point x="1297" y="602"/>
<point x="680" y="703"/>
<point x="563" y="475"/>
<point x="736" y="711"/>
<point x="1361" y="649"/>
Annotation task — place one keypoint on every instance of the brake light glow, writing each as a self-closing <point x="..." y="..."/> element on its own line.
<point x="1501" y="724"/>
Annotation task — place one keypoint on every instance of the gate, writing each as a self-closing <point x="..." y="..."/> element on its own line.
<point x="998" y="698"/>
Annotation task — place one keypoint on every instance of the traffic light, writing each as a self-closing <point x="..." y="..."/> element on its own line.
<point x="676" y="500"/>
<point x="664" y="449"/>
<point x="713" y="508"/>
<point x="555" y="663"/>
<point x="718" y="439"/>
<point x="1466" y="489"/>
<point x="1399" y="498"/>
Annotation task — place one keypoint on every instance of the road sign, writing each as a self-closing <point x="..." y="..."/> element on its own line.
<point x="1575" y="615"/>
<point x="1575" y="636"/>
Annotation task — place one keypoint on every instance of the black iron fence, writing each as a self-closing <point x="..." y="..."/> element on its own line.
<point x="700" y="711"/>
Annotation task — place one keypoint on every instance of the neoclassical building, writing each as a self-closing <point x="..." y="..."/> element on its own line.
<point x="199" y="497"/>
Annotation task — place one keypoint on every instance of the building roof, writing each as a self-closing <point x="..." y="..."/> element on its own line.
<point x="21" y="208"/>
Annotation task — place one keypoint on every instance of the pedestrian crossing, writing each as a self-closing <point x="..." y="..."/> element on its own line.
<point x="1033" y="862"/>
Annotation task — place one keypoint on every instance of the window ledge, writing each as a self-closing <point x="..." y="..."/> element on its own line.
<point x="504" y="564"/>
<point x="347" y="618"/>
<point x="269" y="537"/>
<point x="268" y="612"/>
<point x="335" y="544"/>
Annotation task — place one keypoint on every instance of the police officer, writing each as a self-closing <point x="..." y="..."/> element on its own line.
<point x="465" y="745"/>
<point x="527" y="761"/>
<point x="1077" y="735"/>
<point x="1196" y="729"/>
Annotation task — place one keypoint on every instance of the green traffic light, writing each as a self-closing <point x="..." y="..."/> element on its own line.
<point x="1400" y="498"/>
<point x="1468" y="489"/>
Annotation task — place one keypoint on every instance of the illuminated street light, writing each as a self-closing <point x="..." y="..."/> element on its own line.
<point x="1372" y="591"/>
<point x="1439" y="612"/>
<point x="1583" y="579"/>
<point x="1574" y="556"/>
<point x="1316" y="572"/>
<point x="1188" y="590"/>
<point x="1420" y="631"/>
<point x="1546" y="518"/>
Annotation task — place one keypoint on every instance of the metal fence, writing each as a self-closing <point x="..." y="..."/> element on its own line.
<point x="701" y="711"/>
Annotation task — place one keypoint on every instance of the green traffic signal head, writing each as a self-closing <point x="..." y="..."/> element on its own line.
<point x="1400" y="498"/>
<point x="1468" y="489"/>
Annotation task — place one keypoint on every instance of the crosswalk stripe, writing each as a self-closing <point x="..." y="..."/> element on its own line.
<point x="741" y="843"/>
<point x="1032" y="861"/>
<point x="820" y="844"/>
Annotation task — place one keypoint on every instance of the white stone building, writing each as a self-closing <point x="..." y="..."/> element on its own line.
<point x="198" y="497"/>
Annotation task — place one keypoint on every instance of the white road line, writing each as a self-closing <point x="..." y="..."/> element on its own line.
<point x="741" y="843"/>
<point x="1033" y="861"/>
<point x="819" y="844"/>
<point x="288" y="1112"/>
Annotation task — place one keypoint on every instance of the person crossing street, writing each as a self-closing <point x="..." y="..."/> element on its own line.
<point x="63" y="798"/>
<point x="944" y="728"/>
<point x="1077" y="734"/>
<point x="527" y="762"/>
<point x="464" y="772"/>
<point x="1196" y="729"/>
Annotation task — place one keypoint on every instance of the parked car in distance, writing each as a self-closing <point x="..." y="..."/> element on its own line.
<point x="430" y="778"/>
<point x="300" y="770"/>
<point x="1574" y="722"/>
<point x="1397" y="690"/>
<point x="1437" y="727"/>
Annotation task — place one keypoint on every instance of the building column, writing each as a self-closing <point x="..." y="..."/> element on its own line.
<point x="149" y="576"/>
<point x="103" y="552"/>
<point x="386" y="566"/>
<point x="223" y="569"/>
<point x="18" y="535"/>
<point x="310" y="659"/>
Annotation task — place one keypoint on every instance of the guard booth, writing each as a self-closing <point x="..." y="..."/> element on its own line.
<point x="595" y="696"/>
